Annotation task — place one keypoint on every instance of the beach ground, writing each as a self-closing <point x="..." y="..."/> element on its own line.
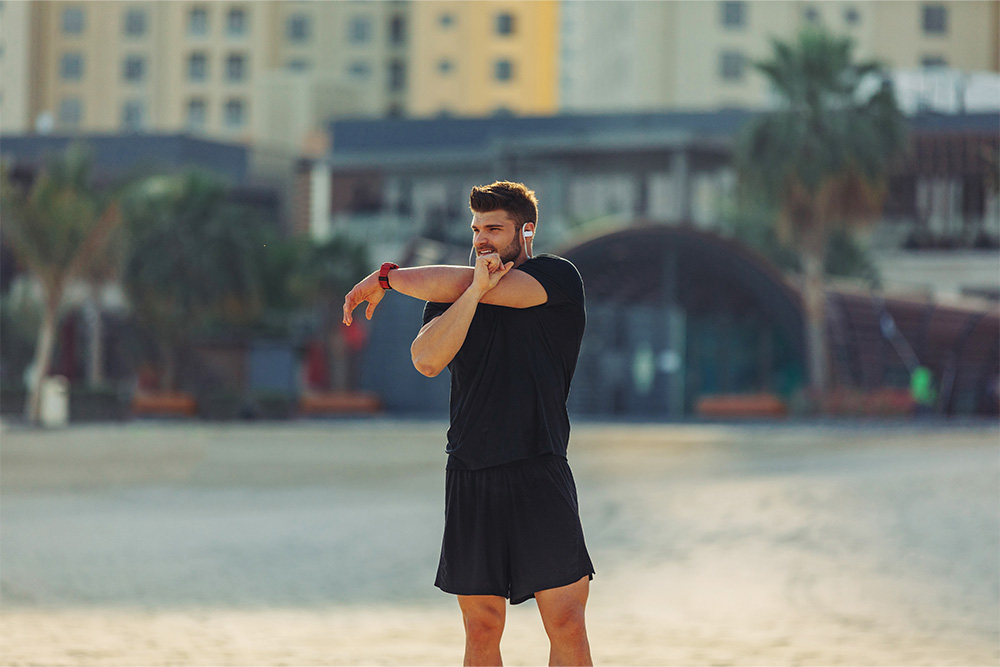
<point x="315" y="543"/>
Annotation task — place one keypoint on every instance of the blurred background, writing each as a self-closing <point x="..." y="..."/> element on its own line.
<point x="778" y="208"/>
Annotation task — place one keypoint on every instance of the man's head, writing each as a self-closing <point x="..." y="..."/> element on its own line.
<point x="503" y="213"/>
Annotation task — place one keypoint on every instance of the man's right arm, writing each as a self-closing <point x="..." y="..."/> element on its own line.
<point x="439" y="340"/>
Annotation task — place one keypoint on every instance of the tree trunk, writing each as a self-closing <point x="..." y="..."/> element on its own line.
<point x="168" y="356"/>
<point x="814" y="300"/>
<point x="43" y="357"/>
<point x="95" y="339"/>
<point x="339" y="373"/>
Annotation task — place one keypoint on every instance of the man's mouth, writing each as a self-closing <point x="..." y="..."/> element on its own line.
<point x="484" y="251"/>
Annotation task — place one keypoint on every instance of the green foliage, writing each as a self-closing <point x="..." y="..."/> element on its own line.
<point x="332" y="268"/>
<point x="846" y="255"/>
<point x="61" y="225"/>
<point x="191" y="255"/>
<point x="821" y="157"/>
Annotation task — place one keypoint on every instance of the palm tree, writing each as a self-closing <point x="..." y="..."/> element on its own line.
<point x="58" y="228"/>
<point x="821" y="158"/>
<point x="190" y="261"/>
<point x="330" y="269"/>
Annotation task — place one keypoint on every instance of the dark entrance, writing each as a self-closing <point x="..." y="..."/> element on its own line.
<point x="675" y="314"/>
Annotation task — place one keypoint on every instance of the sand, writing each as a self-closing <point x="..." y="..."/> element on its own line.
<point x="315" y="543"/>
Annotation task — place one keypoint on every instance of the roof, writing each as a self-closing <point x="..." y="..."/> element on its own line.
<point x="118" y="155"/>
<point x="378" y="142"/>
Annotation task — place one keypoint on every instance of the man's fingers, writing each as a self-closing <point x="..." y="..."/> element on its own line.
<point x="370" y="310"/>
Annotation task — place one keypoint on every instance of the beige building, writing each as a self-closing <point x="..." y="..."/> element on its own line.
<point x="15" y="44"/>
<point x="628" y="55"/>
<point x="270" y="72"/>
<point x="480" y="58"/>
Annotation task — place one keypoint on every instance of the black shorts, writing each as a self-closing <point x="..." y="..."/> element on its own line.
<point x="512" y="530"/>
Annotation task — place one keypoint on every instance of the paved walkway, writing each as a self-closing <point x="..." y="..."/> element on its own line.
<point x="316" y="543"/>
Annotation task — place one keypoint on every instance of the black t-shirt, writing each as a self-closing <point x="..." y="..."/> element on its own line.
<point x="511" y="377"/>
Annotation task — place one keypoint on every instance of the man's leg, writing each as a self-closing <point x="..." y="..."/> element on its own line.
<point x="484" y="619"/>
<point x="562" y="611"/>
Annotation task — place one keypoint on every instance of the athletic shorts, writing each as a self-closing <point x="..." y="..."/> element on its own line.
<point x="512" y="530"/>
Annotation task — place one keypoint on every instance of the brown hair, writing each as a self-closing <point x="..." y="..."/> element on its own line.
<point x="515" y="198"/>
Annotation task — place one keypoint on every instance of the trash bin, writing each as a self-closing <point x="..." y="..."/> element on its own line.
<point x="54" y="401"/>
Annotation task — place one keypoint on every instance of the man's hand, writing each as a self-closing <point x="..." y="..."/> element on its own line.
<point x="367" y="290"/>
<point x="489" y="271"/>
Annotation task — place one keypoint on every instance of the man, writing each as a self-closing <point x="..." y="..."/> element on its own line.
<point x="509" y="330"/>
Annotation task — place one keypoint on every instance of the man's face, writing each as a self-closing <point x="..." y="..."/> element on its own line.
<point x="495" y="231"/>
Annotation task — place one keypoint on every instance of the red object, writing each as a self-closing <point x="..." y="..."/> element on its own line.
<point x="383" y="274"/>
<point x="354" y="335"/>
<point x="317" y="370"/>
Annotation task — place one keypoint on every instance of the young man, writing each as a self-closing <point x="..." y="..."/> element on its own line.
<point x="509" y="330"/>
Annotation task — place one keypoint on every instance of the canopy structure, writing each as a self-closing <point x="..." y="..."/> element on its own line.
<point x="676" y="314"/>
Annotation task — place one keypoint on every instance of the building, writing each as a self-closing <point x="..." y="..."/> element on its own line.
<point x="482" y="58"/>
<point x="221" y="70"/>
<point x="387" y="181"/>
<point x="15" y="111"/>
<point x="646" y="56"/>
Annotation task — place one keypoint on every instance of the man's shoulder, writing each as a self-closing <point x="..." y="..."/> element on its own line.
<point x="550" y="263"/>
<point x="558" y="276"/>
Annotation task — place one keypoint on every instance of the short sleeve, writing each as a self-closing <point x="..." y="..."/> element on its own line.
<point x="561" y="280"/>
<point x="432" y="310"/>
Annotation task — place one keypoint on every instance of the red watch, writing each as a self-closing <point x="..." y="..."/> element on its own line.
<point x="383" y="274"/>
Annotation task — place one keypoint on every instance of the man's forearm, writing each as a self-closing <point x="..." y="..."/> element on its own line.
<point x="442" y="284"/>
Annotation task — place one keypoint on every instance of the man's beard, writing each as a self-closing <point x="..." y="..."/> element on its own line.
<point x="512" y="251"/>
<point x="507" y="254"/>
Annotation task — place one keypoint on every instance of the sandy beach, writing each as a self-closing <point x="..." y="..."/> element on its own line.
<point x="315" y="543"/>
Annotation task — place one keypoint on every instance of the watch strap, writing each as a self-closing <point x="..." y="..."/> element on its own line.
<point x="383" y="274"/>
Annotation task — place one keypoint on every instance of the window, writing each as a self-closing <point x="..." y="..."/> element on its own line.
<point x="236" y="22"/>
<point x="733" y="14"/>
<point x="198" y="21"/>
<point x="135" y="23"/>
<point x="397" y="30"/>
<point x="235" y="114"/>
<point x="359" y="30"/>
<point x="933" y="62"/>
<point x="298" y="65"/>
<point x="297" y="28"/>
<point x="133" y="115"/>
<point x="72" y="21"/>
<point x="505" y="24"/>
<point x="196" y="113"/>
<point x="503" y="70"/>
<point x="811" y="15"/>
<point x="134" y="70"/>
<point x="236" y="67"/>
<point x="70" y="112"/>
<point x="197" y="66"/>
<point x="852" y="16"/>
<point x="446" y="20"/>
<point x="397" y="75"/>
<point x="445" y="66"/>
<point x="359" y="70"/>
<point x="731" y="65"/>
<point x="935" y="19"/>
<point x="71" y="67"/>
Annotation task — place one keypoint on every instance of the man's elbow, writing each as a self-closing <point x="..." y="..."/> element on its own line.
<point x="425" y="367"/>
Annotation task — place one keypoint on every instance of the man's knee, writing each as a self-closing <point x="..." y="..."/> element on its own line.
<point x="567" y="625"/>
<point x="483" y="623"/>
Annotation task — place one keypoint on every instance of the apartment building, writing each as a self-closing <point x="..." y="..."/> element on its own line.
<point x="15" y="115"/>
<point x="482" y="58"/>
<point x="245" y="71"/>
<point x="632" y="55"/>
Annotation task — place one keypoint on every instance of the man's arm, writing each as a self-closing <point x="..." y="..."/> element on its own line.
<point x="439" y="340"/>
<point x="444" y="284"/>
